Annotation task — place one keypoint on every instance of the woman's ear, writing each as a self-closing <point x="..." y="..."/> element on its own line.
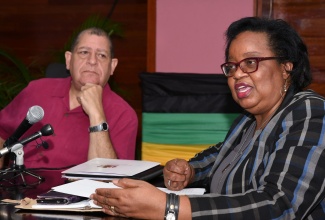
<point x="287" y="68"/>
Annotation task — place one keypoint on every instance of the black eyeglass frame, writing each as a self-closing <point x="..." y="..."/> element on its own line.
<point x="257" y="59"/>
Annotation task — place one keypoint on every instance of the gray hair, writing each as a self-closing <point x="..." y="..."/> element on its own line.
<point x="93" y="31"/>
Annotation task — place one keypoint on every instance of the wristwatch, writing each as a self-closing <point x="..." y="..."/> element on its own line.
<point x="101" y="127"/>
<point x="170" y="215"/>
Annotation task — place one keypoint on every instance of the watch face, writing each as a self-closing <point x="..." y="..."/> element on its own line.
<point x="170" y="216"/>
<point x="105" y="126"/>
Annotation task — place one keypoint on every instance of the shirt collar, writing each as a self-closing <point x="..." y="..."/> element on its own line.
<point x="62" y="87"/>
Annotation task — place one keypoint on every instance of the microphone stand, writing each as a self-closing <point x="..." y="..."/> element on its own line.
<point x="18" y="169"/>
<point x="14" y="176"/>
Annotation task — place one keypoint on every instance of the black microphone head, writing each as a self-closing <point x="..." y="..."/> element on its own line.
<point x="47" y="130"/>
<point x="45" y="145"/>
<point x="35" y="114"/>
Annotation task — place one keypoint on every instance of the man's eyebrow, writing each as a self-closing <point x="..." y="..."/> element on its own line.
<point x="102" y="50"/>
<point x="89" y="48"/>
<point x="83" y="47"/>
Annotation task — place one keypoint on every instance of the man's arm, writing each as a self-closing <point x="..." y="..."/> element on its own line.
<point x="100" y="144"/>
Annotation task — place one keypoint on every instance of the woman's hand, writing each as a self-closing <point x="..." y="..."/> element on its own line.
<point x="135" y="198"/>
<point x="178" y="173"/>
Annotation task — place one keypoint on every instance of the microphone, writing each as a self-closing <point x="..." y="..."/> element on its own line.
<point x="45" y="131"/>
<point x="34" y="114"/>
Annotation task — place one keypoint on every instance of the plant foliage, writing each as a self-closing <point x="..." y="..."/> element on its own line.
<point x="14" y="77"/>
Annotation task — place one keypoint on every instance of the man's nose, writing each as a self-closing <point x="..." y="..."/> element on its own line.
<point x="92" y="58"/>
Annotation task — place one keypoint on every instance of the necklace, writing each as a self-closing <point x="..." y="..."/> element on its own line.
<point x="267" y="119"/>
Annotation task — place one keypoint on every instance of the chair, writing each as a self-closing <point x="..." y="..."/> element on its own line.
<point x="56" y="70"/>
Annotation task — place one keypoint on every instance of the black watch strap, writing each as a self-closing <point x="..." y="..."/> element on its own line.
<point x="172" y="206"/>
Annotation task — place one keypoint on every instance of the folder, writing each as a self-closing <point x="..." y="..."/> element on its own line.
<point x="108" y="169"/>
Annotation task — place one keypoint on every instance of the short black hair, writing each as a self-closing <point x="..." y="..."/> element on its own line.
<point x="283" y="40"/>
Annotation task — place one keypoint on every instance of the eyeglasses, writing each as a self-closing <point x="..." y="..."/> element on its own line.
<point x="86" y="54"/>
<point x="248" y="65"/>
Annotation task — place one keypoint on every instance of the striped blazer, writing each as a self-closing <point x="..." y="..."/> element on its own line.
<point x="281" y="173"/>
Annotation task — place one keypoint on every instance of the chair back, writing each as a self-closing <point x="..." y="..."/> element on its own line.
<point x="56" y="70"/>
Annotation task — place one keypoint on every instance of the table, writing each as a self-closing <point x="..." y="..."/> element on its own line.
<point x="35" y="187"/>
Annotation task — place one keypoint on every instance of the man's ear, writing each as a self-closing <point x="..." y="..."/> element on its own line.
<point x="67" y="55"/>
<point x="114" y="62"/>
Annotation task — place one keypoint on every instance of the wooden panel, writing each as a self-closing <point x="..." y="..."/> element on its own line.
<point x="308" y="18"/>
<point x="33" y="30"/>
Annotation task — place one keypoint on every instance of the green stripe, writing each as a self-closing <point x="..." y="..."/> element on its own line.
<point x="185" y="128"/>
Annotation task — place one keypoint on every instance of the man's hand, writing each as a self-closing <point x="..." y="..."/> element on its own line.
<point x="90" y="98"/>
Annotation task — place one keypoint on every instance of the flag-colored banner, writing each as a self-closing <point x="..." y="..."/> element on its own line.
<point x="185" y="128"/>
<point x="162" y="153"/>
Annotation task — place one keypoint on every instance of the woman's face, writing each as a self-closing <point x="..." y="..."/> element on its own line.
<point x="258" y="92"/>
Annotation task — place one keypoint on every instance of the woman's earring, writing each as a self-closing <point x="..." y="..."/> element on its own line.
<point x="285" y="89"/>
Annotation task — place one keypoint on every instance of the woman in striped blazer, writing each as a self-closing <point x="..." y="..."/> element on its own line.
<point x="271" y="164"/>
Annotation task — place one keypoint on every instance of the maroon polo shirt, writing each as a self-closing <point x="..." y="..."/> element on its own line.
<point x="69" y="144"/>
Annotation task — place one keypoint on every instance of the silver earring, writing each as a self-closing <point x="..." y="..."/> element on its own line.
<point x="285" y="87"/>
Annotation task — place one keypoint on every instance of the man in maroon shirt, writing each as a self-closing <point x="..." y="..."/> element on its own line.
<point x="88" y="118"/>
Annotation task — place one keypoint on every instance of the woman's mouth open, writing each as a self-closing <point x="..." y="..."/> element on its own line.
<point x="243" y="90"/>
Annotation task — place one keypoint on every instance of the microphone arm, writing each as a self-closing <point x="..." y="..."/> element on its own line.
<point x="45" y="131"/>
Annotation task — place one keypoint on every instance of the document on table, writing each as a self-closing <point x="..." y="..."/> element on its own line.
<point x="186" y="191"/>
<point x="109" y="168"/>
<point x="85" y="204"/>
<point x="86" y="187"/>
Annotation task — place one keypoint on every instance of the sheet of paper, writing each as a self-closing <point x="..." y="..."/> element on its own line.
<point x="83" y="187"/>
<point x="86" y="187"/>
<point x="186" y="191"/>
<point x="111" y="167"/>
<point x="74" y="178"/>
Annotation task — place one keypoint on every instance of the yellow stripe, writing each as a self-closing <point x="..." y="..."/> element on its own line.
<point x="162" y="153"/>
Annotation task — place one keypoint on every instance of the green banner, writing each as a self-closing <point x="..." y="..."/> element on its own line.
<point x="186" y="128"/>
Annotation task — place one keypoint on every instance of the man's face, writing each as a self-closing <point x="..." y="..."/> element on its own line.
<point x="91" y="61"/>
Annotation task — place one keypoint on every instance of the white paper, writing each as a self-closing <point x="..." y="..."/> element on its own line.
<point x="111" y="167"/>
<point x="74" y="178"/>
<point x="87" y="187"/>
<point x="83" y="187"/>
<point x="186" y="191"/>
